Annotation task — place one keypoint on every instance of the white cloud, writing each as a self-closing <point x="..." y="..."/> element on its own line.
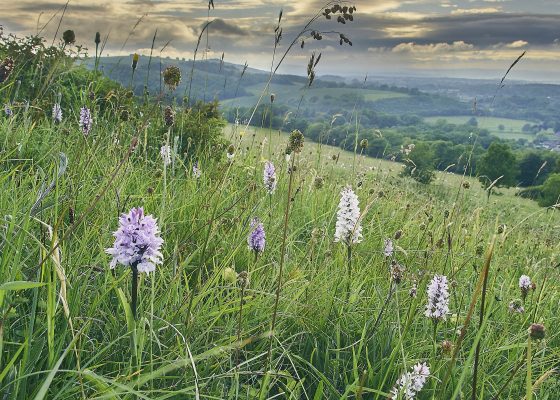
<point x="412" y="47"/>
<point x="517" y="44"/>
<point x="485" y="10"/>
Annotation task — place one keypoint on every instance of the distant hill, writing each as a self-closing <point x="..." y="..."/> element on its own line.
<point x="238" y="87"/>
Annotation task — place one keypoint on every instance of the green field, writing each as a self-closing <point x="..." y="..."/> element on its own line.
<point x="513" y="128"/>
<point x="291" y="94"/>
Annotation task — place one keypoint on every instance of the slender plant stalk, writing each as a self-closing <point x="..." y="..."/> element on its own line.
<point x="134" y="289"/>
<point x="239" y="324"/>
<point x="481" y="319"/>
<point x="349" y="264"/>
<point x="529" y="385"/>
<point x="282" y="257"/>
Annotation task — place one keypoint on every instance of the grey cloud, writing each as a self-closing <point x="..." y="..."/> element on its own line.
<point x="222" y="27"/>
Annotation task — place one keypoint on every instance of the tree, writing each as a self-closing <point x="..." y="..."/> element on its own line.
<point x="534" y="168"/>
<point x="419" y="162"/>
<point x="501" y="127"/>
<point x="550" y="193"/>
<point x="472" y="122"/>
<point x="498" y="163"/>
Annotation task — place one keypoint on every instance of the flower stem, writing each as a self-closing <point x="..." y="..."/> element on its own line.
<point x="282" y="256"/>
<point x="134" y="291"/>
<point x="349" y="259"/>
<point x="529" y="386"/>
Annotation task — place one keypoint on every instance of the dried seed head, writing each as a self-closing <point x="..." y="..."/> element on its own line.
<point x="243" y="279"/>
<point x="364" y="144"/>
<point x="69" y="37"/>
<point x="501" y="228"/>
<point x="172" y="77"/>
<point x="398" y="234"/>
<point x="537" y="331"/>
<point x="447" y="346"/>
<point x="319" y="182"/>
<point x="466" y="185"/>
<point x="169" y="116"/>
<point x="272" y="97"/>
<point x="397" y="272"/>
<point x="97" y="38"/>
<point x="296" y="141"/>
<point x="125" y="115"/>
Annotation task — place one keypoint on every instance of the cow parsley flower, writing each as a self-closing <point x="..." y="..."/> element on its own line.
<point x="165" y="153"/>
<point x="348" y="227"/>
<point x="410" y="383"/>
<point x="438" y="299"/>
<point x="269" y="177"/>
<point x="257" y="237"/>
<point x="86" y="122"/>
<point x="57" y="113"/>
<point x="137" y="242"/>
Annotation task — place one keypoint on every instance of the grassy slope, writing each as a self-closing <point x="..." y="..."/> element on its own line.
<point x="324" y="343"/>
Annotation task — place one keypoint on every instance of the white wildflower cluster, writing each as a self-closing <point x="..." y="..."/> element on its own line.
<point x="524" y="283"/>
<point x="406" y="150"/>
<point x="438" y="298"/>
<point x="348" y="228"/>
<point x="269" y="177"/>
<point x="388" y="248"/>
<point x="165" y="153"/>
<point x="410" y="383"/>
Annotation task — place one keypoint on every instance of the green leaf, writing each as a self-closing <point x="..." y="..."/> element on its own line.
<point x="20" y="285"/>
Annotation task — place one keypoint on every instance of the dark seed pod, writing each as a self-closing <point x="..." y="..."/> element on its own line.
<point x="537" y="331"/>
<point x="69" y="37"/>
<point x="296" y="141"/>
<point x="169" y="116"/>
<point x="97" y="38"/>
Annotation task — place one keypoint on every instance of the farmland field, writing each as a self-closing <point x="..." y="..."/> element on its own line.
<point x="512" y="127"/>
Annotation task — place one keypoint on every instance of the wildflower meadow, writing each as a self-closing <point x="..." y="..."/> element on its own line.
<point x="151" y="250"/>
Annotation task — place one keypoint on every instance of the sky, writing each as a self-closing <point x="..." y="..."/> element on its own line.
<point x="452" y="38"/>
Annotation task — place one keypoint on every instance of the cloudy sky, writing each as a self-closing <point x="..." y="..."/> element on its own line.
<point x="467" y="38"/>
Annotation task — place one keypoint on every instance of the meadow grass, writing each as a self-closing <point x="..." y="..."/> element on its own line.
<point x="306" y="318"/>
<point x="324" y="343"/>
